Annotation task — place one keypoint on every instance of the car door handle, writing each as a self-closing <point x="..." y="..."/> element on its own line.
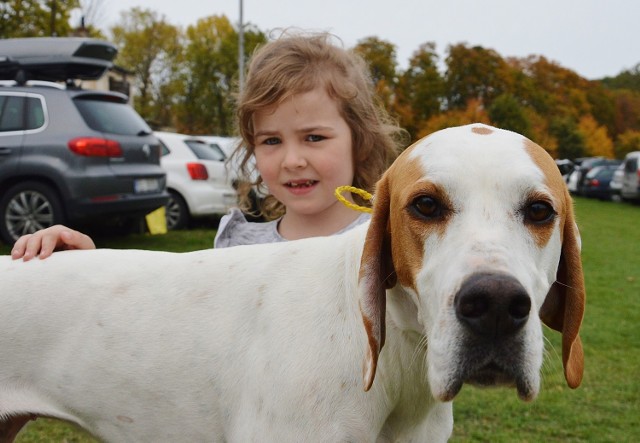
<point x="5" y="151"/>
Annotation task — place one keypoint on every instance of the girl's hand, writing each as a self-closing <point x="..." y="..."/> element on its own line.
<point x="42" y="243"/>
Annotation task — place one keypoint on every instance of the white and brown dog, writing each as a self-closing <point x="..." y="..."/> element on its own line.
<point x="472" y="245"/>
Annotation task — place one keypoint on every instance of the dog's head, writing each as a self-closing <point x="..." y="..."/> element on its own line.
<point x="476" y="226"/>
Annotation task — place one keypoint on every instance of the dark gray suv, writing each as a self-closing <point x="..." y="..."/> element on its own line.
<point x="68" y="154"/>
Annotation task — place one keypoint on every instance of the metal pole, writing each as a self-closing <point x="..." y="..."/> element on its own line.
<point x="241" y="50"/>
<point x="54" y="11"/>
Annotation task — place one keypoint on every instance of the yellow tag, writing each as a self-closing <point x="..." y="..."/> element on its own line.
<point x="157" y="221"/>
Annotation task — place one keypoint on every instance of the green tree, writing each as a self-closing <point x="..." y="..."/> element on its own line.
<point x="35" y="18"/>
<point x="211" y="74"/>
<point x="602" y="103"/>
<point x="506" y="112"/>
<point x="381" y="57"/>
<point x="419" y="90"/>
<point x="627" y="79"/>
<point x="571" y="143"/>
<point x="475" y="73"/>
<point x="151" y="48"/>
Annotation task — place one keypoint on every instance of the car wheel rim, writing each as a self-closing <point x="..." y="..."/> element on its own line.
<point x="28" y="212"/>
<point x="173" y="213"/>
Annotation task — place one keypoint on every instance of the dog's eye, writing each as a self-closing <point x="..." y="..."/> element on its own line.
<point x="539" y="212"/>
<point x="427" y="207"/>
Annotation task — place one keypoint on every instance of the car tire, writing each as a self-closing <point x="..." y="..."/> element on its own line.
<point x="177" y="212"/>
<point x="28" y="207"/>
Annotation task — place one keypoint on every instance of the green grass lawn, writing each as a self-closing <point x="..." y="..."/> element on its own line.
<point x="604" y="409"/>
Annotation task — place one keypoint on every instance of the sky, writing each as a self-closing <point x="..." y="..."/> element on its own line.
<point x="594" y="38"/>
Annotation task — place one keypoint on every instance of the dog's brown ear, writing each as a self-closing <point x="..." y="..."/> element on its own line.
<point x="376" y="275"/>
<point x="563" y="309"/>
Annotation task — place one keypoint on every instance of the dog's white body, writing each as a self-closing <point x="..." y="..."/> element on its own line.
<point x="266" y="342"/>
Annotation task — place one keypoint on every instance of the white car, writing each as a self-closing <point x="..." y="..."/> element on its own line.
<point x="197" y="178"/>
<point x="228" y="145"/>
<point x="572" y="181"/>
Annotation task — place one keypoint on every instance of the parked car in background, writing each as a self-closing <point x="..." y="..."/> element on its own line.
<point x="630" y="189"/>
<point x="584" y="165"/>
<point x="197" y="179"/>
<point x="67" y="154"/>
<point x="566" y="167"/>
<point x="228" y="145"/>
<point x="574" y="176"/>
<point x="597" y="182"/>
<point x="572" y="181"/>
<point x="616" y="182"/>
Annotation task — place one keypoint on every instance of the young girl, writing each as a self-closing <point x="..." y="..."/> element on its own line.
<point x="309" y="118"/>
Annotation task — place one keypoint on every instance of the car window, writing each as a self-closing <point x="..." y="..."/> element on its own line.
<point x="165" y="150"/>
<point x="111" y="117"/>
<point x="631" y="165"/>
<point x="205" y="151"/>
<point x="11" y="112"/>
<point x="35" y="113"/>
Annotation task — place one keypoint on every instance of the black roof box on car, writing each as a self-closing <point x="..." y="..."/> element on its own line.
<point x="54" y="58"/>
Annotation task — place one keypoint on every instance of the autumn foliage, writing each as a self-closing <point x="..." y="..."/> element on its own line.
<point x="186" y="79"/>
<point x="567" y="114"/>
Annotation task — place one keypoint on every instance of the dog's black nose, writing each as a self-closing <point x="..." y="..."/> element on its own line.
<point x="492" y="305"/>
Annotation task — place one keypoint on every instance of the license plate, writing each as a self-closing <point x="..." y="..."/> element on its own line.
<point x="143" y="185"/>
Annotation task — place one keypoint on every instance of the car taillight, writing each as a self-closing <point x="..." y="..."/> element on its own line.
<point x="95" y="147"/>
<point x="595" y="182"/>
<point x="197" y="171"/>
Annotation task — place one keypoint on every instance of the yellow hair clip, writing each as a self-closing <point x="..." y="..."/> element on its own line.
<point x="361" y="192"/>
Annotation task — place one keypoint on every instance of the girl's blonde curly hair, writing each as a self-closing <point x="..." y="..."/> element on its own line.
<point x="298" y="63"/>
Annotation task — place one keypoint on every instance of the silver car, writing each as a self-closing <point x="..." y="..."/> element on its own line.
<point x="68" y="154"/>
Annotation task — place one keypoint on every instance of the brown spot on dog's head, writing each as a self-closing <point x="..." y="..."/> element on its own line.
<point x="481" y="130"/>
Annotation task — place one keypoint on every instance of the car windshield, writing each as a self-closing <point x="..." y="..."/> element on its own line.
<point x="205" y="151"/>
<point x="111" y="117"/>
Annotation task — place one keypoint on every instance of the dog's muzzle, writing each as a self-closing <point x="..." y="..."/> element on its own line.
<point x="492" y="309"/>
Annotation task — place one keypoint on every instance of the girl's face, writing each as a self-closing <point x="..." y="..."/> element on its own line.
<point x="303" y="152"/>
